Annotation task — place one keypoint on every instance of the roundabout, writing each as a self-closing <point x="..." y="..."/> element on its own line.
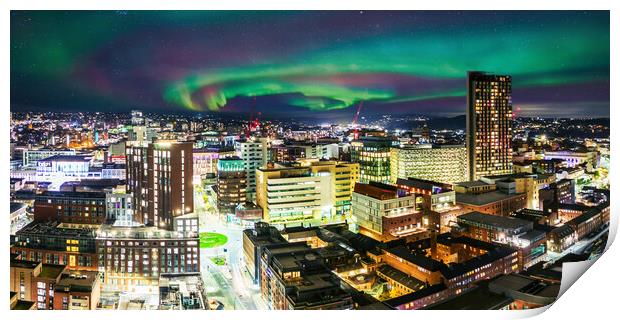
<point x="210" y="240"/>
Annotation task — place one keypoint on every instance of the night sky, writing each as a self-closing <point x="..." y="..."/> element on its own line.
<point x="315" y="63"/>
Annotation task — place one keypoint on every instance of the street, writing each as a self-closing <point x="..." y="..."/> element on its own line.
<point x="577" y="248"/>
<point x="228" y="283"/>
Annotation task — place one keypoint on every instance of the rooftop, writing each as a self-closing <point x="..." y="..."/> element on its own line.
<point x="51" y="271"/>
<point x="54" y="228"/>
<point x="479" y="298"/>
<point x="25" y="264"/>
<point x="530" y="213"/>
<point x="77" y="281"/>
<point x="72" y="194"/>
<point x="15" y="206"/>
<point x="23" y="305"/>
<point x="435" y="187"/>
<point x="448" y="239"/>
<point x="419" y="260"/>
<point x="401" y="277"/>
<point x="494" y="221"/>
<point x="378" y="191"/>
<point x="510" y="175"/>
<point x="484" y="198"/>
<point x="469" y="184"/>
<point x="454" y="270"/>
<point x="108" y="231"/>
<point x="427" y="291"/>
<point x="67" y="158"/>
<point x="525" y="285"/>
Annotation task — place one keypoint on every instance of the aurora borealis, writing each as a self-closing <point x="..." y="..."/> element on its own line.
<point x="306" y="61"/>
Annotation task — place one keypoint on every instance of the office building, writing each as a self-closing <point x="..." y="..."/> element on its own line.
<point x="206" y="159"/>
<point x="77" y="290"/>
<point x="293" y="194"/>
<point x="522" y="183"/>
<point x="517" y="233"/>
<point x="231" y="184"/>
<point x="254" y="241"/>
<point x="373" y="155"/>
<point x="182" y="292"/>
<point x="141" y="134"/>
<point x="71" y="208"/>
<point x="64" y="167"/>
<point x="254" y="154"/>
<point x="137" y="118"/>
<point x="308" y="190"/>
<point x="439" y="163"/>
<point x="344" y="177"/>
<point x="489" y="124"/>
<point x="293" y="277"/>
<point x="119" y="209"/>
<point x="383" y="213"/>
<point x="54" y="243"/>
<point x="137" y="256"/>
<point x="159" y="175"/>
<point x="436" y="201"/>
<point x="31" y="157"/>
<point x="493" y="202"/>
<point x="559" y="192"/>
<point x="54" y="287"/>
<point x="286" y="153"/>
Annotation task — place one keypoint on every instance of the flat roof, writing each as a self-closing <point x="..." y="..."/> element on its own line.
<point x="25" y="264"/>
<point x="51" y="271"/>
<point x="479" y="298"/>
<point x="379" y="191"/>
<point x="469" y="184"/>
<point x="23" y="305"/>
<point x="15" y="206"/>
<point x="426" y="291"/>
<point x="484" y="198"/>
<point x="533" y="235"/>
<point x="510" y="175"/>
<point x="72" y="194"/>
<point x="67" y="158"/>
<point x="77" y="281"/>
<point x="401" y="277"/>
<point x="531" y="213"/>
<point x="53" y="228"/>
<point x="447" y="238"/>
<point x="423" y="184"/>
<point x="495" y="221"/>
<point x="419" y="260"/>
<point x="454" y="270"/>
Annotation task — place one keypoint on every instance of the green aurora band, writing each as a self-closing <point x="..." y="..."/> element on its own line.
<point x="533" y="57"/>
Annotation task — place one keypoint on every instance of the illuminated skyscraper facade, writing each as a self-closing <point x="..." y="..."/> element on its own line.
<point x="254" y="154"/>
<point x="441" y="163"/>
<point x="373" y="155"/>
<point x="159" y="175"/>
<point x="489" y="124"/>
<point x="231" y="184"/>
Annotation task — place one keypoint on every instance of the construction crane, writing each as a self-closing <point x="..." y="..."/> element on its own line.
<point x="354" y="123"/>
<point x="253" y="122"/>
<point x="515" y="113"/>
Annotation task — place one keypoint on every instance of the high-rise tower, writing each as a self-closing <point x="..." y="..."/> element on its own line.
<point x="489" y="124"/>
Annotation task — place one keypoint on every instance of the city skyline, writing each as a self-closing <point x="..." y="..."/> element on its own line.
<point x="305" y="160"/>
<point x="318" y="64"/>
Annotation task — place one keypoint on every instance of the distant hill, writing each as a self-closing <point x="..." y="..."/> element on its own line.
<point x="453" y="123"/>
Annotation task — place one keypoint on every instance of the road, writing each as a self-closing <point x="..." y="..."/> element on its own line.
<point x="577" y="248"/>
<point x="230" y="283"/>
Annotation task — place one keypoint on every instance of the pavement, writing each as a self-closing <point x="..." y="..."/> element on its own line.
<point x="577" y="248"/>
<point x="229" y="283"/>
